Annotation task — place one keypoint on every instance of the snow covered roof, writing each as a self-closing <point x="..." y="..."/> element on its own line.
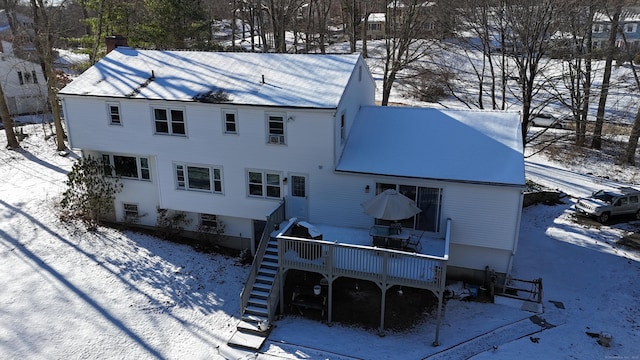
<point x="296" y="80"/>
<point x="630" y="14"/>
<point x="456" y="145"/>
<point x="376" y="17"/>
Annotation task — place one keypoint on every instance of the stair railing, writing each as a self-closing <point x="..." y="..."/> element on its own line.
<point x="274" y="219"/>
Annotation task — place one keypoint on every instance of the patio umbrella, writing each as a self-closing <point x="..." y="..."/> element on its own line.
<point x="390" y="205"/>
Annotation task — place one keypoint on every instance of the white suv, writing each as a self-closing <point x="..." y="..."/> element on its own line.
<point x="603" y="204"/>
<point x="546" y="120"/>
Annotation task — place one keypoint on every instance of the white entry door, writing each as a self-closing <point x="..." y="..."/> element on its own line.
<point x="297" y="201"/>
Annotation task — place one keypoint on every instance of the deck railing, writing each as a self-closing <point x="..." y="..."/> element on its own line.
<point x="375" y="264"/>
<point x="273" y="220"/>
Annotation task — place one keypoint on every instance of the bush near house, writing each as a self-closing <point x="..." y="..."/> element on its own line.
<point x="90" y="192"/>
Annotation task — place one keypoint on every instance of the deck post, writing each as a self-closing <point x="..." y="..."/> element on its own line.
<point x="330" y="295"/>
<point x="280" y="274"/>
<point x="382" y="305"/>
<point x="436" y="342"/>
<point x="329" y="277"/>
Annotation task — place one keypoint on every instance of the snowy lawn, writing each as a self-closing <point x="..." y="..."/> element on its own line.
<point x="67" y="293"/>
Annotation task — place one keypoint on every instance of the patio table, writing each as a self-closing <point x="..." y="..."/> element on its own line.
<point x="386" y="236"/>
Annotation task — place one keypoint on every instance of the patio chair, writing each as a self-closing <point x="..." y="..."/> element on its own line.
<point x="414" y="243"/>
<point x="379" y="241"/>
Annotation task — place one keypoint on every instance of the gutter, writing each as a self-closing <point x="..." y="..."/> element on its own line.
<point x="511" y="185"/>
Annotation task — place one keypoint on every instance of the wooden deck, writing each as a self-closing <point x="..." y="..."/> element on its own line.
<point x="385" y="267"/>
<point x="382" y="266"/>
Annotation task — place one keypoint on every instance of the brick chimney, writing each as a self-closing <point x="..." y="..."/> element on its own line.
<point x="114" y="41"/>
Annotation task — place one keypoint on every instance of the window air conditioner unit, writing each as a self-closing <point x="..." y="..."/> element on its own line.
<point x="276" y="139"/>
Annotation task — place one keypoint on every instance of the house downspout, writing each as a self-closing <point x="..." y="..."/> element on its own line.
<point x="515" y="236"/>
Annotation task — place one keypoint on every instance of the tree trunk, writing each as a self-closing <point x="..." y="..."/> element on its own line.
<point x="364" y="32"/>
<point x="233" y="26"/>
<point x="12" y="141"/>
<point x="630" y="151"/>
<point x="45" y="52"/>
<point x="596" y="142"/>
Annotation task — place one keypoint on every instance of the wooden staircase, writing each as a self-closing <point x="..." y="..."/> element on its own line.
<point x="257" y="307"/>
<point x="255" y="324"/>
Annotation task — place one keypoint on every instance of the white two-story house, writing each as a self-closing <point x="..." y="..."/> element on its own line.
<point x="227" y="135"/>
<point x="232" y="138"/>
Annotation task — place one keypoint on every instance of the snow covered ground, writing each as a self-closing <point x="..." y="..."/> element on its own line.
<point x="66" y="293"/>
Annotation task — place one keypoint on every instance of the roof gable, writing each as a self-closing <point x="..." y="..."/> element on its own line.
<point x="296" y="80"/>
<point x="456" y="145"/>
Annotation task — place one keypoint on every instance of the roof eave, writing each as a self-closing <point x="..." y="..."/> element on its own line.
<point x="475" y="182"/>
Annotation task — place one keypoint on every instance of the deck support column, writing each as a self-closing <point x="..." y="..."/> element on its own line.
<point x="281" y="290"/>
<point x="383" y="289"/>
<point x="436" y="342"/>
<point x="330" y="305"/>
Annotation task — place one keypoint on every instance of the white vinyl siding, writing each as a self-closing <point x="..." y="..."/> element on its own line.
<point x="494" y="226"/>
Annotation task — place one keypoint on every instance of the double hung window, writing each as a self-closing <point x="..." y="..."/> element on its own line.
<point x="264" y="184"/>
<point x="129" y="167"/>
<point x="113" y="111"/>
<point x="198" y="178"/>
<point x="169" y="121"/>
<point x="276" y="129"/>
<point x="630" y="27"/>
<point x="230" y="122"/>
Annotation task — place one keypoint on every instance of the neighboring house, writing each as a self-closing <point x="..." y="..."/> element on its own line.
<point x="398" y="13"/>
<point x="24" y="85"/>
<point x="21" y="77"/>
<point x="628" y="31"/>
<point x="242" y="142"/>
<point x="69" y="61"/>
<point x="16" y="34"/>
<point x="376" y="23"/>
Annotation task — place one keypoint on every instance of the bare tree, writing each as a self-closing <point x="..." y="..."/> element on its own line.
<point x="529" y="26"/>
<point x="614" y="16"/>
<point x="281" y="13"/>
<point x="44" y="47"/>
<point x="322" y="10"/>
<point x="482" y="35"/>
<point x="12" y="141"/>
<point x="632" y="144"/>
<point x="351" y="18"/>
<point x="405" y="41"/>
<point x="575" y="50"/>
